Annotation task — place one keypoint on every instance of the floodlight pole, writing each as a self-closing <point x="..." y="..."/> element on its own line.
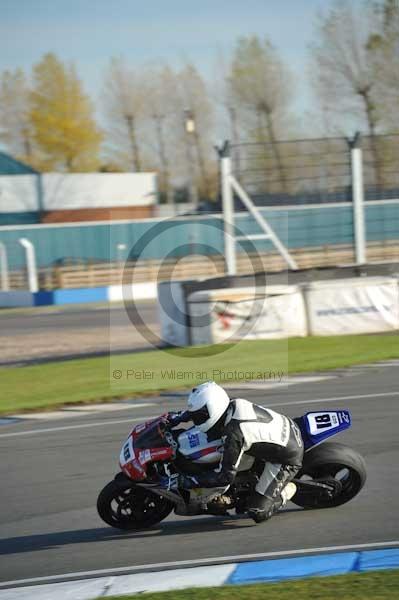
<point x="190" y="129"/>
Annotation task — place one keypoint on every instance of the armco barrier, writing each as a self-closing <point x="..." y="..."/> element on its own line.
<point x="16" y="298"/>
<point x="264" y="571"/>
<point x="111" y="293"/>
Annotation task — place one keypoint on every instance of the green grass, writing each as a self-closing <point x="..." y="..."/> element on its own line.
<point x="378" y="585"/>
<point x="88" y="380"/>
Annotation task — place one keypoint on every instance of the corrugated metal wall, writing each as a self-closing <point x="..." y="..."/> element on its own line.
<point x="297" y="227"/>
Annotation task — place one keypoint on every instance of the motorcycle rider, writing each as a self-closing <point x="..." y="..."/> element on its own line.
<point x="245" y="428"/>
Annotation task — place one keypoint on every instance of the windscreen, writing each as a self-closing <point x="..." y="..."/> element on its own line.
<point x="151" y="437"/>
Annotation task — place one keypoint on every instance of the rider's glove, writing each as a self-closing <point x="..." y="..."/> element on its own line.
<point x="175" y="418"/>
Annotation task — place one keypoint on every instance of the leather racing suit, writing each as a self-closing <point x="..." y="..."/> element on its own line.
<point x="274" y="439"/>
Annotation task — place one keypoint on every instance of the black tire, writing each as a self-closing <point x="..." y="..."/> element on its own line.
<point x="124" y="505"/>
<point x="331" y="461"/>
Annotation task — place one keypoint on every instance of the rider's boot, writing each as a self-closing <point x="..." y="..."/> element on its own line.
<point x="263" y="508"/>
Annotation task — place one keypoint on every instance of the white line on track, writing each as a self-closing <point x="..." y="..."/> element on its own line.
<point x="82" y="426"/>
<point x="78" y="411"/>
<point x="144" y="418"/>
<point x="336" y="399"/>
<point x="197" y="563"/>
<point x="271" y="384"/>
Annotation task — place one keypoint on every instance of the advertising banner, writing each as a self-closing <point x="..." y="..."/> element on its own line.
<point x="230" y="315"/>
<point x="363" y="305"/>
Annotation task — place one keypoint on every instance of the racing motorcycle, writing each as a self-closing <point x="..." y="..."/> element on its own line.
<point x="331" y="474"/>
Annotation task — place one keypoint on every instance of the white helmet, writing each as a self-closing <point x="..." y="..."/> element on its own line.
<point x="207" y="403"/>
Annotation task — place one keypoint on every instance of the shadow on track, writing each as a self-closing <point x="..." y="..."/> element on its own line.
<point x="47" y="541"/>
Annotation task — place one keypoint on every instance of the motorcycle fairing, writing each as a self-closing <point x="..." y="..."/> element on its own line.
<point x="133" y="458"/>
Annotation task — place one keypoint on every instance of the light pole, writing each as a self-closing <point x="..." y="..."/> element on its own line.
<point x="133" y="142"/>
<point x="189" y="125"/>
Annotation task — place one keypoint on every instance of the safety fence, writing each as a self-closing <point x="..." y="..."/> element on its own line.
<point x="357" y="174"/>
<point x="314" y="171"/>
<point x="308" y="203"/>
<point x="95" y="254"/>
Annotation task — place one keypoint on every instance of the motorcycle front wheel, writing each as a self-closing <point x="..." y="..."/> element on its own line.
<point x="123" y="505"/>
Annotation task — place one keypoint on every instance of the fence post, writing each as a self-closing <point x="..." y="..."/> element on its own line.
<point x="228" y="209"/>
<point x="30" y="264"/>
<point x="5" y="280"/>
<point x="358" y="199"/>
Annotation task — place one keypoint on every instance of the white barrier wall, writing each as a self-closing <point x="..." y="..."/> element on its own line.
<point x="240" y="313"/>
<point x="172" y="313"/>
<point x="336" y="307"/>
<point x="137" y="291"/>
<point x="345" y="306"/>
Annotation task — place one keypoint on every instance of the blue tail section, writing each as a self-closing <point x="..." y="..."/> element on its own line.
<point x="317" y="426"/>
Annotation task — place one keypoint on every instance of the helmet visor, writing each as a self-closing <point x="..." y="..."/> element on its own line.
<point x="200" y="416"/>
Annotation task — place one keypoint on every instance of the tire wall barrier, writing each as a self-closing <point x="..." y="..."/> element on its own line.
<point x="333" y="307"/>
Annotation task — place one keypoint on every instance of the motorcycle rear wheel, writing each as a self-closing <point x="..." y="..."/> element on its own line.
<point x="125" y="506"/>
<point x="340" y="464"/>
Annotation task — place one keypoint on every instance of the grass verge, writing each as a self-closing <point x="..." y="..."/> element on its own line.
<point x="88" y="380"/>
<point x="377" y="585"/>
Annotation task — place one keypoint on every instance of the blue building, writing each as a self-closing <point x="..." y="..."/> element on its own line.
<point x="11" y="168"/>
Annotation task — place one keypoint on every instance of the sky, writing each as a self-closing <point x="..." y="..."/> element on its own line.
<point x="90" y="32"/>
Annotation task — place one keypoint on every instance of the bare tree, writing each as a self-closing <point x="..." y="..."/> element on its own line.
<point x="15" y="126"/>
<point x="124" y="103"/>
<point x="344" y="68"/>
<point x="383" y="44"/>
<point x="262" y="88"/>
<point x="161" y="87"/>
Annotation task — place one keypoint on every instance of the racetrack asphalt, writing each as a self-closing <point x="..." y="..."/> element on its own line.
<point x="51" y="473"/>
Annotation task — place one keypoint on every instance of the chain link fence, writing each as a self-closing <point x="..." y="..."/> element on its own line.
<point x="310" y="185"/>
<point x="316" y="170"/>
<point x="294" y="172"/>
<point x="303" y="189"/>
<point x="381" y="167"/>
